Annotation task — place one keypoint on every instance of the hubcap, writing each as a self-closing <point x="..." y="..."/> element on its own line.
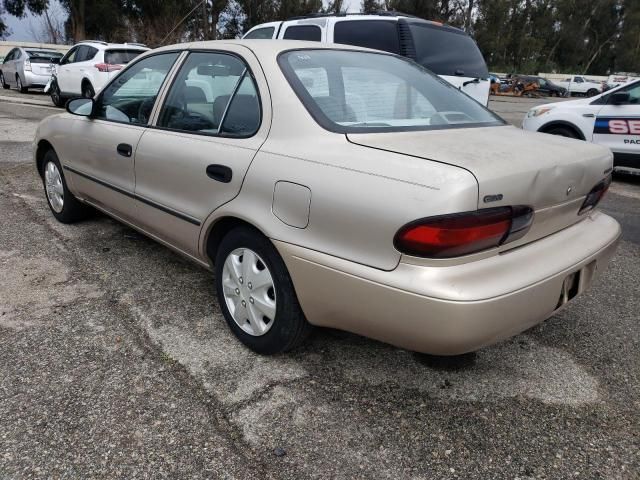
<point x="249" y="292"/>
<point x="53" y="187"/>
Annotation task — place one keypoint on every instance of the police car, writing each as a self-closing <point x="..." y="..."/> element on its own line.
<point x="611" y="119"/>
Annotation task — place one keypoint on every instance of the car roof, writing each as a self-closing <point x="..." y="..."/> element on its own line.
<point x="267" y="47"/>
<point x="104" y="45"/>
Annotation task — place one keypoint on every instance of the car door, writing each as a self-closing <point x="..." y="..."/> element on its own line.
<point x="617" y="126"/>
<point x="64" y="70"/>
<point x="102" y="169"/>
<point x="9" y="67"/>
<point x="194" y="159"/>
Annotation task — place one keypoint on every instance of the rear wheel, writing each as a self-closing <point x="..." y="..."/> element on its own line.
<point x="19" y="85"/>
<point x="256" y="293"/>
<point x="56" y="98"/>
<point x="87" y="90"/>
<point x="563" y="132"/>
<point x="4" y="84"/>
<point x="63" y="204"/>
<point x="592" y="92"/>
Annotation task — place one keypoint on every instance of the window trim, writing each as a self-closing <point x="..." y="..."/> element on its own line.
<point x="321" y="119"/>
<point x="247" y="71"/>
<point x="170" y="73"/>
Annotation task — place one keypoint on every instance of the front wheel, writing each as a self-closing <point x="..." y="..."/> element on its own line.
<point x="63" y="204"/>
<point x="4" y="84"/>
<point x="563" y="132"/>
<point x="256" y="293"/>
<point x="87" y="90"/>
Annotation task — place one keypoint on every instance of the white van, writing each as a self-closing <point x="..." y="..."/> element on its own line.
<point x="447" y="51"/>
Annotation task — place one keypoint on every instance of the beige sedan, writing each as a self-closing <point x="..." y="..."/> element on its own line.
<point x="335" y="186"/>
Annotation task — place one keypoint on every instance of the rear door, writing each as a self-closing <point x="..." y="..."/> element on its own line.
<point x="207" y="132"/>
<point x="9" y="67"/>
<point x="103" y="171"/>
<point x="618" y="127"/>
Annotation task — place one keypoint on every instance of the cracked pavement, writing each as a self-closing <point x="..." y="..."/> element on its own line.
<point x="117" y="363"/>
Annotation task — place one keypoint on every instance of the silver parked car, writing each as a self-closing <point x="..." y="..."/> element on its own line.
<point x="25" y="68"/>
<point x="336" y="186"/>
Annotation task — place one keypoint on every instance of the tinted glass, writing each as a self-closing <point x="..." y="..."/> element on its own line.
<point x="377" y="34"/>
<point x="445" y="51"/>
<point x="131" y="96"/>
<point x="634" y="93"/>
<point x="261" y="33"/>
<point x="310" y="33"/>
<point x="39" y="56"/>
<point x="70" y="56"/>
<point x="200" y="99"/>
<point x="362" y="92"/>
<point x="120" y="57"/>
<point x="83" y="54"/>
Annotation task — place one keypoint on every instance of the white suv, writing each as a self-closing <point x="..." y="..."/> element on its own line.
<point x="88" y="66"/>
<point x="447" y="51"/>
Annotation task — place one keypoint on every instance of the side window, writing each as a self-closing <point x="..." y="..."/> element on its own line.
<point x="89" y="54"/>
<point x="634" y="94"/>
<point x="130" y="98"/>
<point x="213" y="94"/>
<point x="261" y="33"/>
<point x="579" y="80"/>
<point x="310" y="33"/>
<point x="70" y="56"/>
<point x="378" y="34"/>
<point x="9" y="57"/>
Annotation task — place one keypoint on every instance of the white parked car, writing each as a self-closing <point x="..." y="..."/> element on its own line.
<point x="581" y="85"/>
<point x="25" y="68"/>
<point x="611" y="119"/>
<point x="88" y="66"/>
<point x="447" y="51"/>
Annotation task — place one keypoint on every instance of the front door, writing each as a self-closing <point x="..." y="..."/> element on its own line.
<point x="103" y="170"/>
<point x="195" y="157"/>
<point x="618" y="127"/>
<point x="64" y="70"/>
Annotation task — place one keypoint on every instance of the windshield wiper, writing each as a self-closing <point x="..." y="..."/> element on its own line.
<point x="475" y="80"/>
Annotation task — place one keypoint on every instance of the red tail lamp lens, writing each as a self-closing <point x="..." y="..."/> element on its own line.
<point x="107" y="67"/>
<point x="595" y="195"/>
<point x="459" y="234"/>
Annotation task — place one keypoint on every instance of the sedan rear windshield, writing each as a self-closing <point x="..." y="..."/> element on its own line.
<point x="120" y="57"/>
<point x="38" y="56"/>
<point x="447" y="51"/>
<point x="360" y="92"/>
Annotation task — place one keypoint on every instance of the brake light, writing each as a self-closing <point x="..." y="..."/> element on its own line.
<point x="458" y="234"/>
<point x="27" y="65"/>
<point x="595" y="195"/>
<point x="107" y="67"/>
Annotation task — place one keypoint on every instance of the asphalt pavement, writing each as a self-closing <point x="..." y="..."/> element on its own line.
<point x="115" y="362"/>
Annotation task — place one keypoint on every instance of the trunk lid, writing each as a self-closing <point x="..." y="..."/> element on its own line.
<point x="512" y="167"/>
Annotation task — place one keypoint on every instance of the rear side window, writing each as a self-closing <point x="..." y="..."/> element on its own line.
<point x="377" y="34"/>
<point x="261" y="33"/>
<point x="310" y="33"/>
<point x="447" y="51"/>
<point x="120" y="57"/>
<point x="213" y="94"/>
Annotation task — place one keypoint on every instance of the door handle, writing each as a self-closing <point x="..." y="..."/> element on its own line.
<point x="125" y="149"/>
<point x="220" y="173"/>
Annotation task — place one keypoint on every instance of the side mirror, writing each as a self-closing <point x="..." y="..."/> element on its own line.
<point x="81" y="106"/>
<point x="55" y="60"/>
<point x="619" y="98"/>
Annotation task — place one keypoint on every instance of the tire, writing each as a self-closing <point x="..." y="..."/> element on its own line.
<point x="4" y="84"/>
<point x="56" y="97"/>
<point x="87" y="90"/>
<point x="69" y="209"/>
<point x="563" y="132"/>
<point x="21" y="88"/>
<point x="278" y="326"/>
<point x="592" y="92"/>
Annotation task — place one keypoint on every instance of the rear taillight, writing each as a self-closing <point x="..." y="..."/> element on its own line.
<point x="107" y="67"/>
<point x="595" y="195"/>
<point x="27" y="65"/>
<point x="459" y="234"/>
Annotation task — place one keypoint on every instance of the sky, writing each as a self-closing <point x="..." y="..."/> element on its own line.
<point x="21" y="28"/>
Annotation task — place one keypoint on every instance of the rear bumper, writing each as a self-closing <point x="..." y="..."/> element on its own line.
<point x="33" y="80"/>
<point x="448" y="310"/>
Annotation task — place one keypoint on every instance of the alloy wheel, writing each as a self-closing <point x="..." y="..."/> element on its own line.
<point x="54" y="187"/>
<point x="249" y="291"/>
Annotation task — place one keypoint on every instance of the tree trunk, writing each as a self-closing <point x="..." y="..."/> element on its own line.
<point x="77" y="20"/>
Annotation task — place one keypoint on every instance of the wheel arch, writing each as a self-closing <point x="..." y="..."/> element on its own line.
<point x="562" y="123"/>
<point x="217" y="231"/>
<point x="43" y="147"/>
